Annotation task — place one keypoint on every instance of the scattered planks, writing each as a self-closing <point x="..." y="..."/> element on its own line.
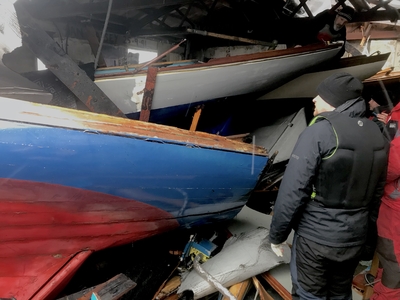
<point x="263" y="294"/>
<point x="239" y="290"/>
<point x="112" y="289"/>
<point x="275" y="284"/>
<point x="169" y="288"/>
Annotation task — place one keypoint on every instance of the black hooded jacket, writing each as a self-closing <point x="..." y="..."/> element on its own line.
<point x="317" y="29"/>
<point x="343" y="205"/>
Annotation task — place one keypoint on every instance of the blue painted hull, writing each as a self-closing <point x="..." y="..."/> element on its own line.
<point x="73" y="182"/>
<point x="176" y="178"/>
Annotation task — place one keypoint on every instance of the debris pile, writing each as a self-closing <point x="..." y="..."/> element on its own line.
<point x="211" y="264"/>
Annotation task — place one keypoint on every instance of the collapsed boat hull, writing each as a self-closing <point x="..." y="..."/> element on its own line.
<point x="75" y="182"/>
<point x="218" y="78"/>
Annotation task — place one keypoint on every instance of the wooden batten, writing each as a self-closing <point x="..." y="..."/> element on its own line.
<point x="239" y="290"/>
<point x="169" y="288"/>
<point x="261" y="290"/>
<point x="275" y="284"/>
<point x="196" y="118"/>
<point x="112" y="289"/>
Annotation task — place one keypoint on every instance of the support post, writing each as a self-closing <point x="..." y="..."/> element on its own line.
<point x="148" y="94"/>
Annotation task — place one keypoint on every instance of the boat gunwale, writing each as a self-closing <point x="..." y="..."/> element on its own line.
<point x="30" y="113"/>
<point x="353" y="61"/>
<point x="233" y="60"/>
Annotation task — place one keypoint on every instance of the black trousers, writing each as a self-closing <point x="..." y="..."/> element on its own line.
<point x="322" y="272"/>
<point x="389" y="263"/>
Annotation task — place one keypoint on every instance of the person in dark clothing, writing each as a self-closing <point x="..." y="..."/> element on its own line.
<point x="330" y="193"/>
<point x="330" y="27"/>
<point x="388" y="246"/>
<point x="378" y="113"/>
<point x="325" y="27"/>
<point x="380" y="105"/>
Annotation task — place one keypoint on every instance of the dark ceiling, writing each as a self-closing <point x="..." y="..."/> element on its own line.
<point x="171" y="19"/>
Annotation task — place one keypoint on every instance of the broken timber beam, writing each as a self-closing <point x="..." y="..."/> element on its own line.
<point x="196" y="118"/>
<point x="148" y="94"/>
<point x="262" y="293"/>
<point x="112" y="289"/>
<point x="62" y="66"/>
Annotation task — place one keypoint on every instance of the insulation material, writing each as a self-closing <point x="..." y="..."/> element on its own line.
<point x="243" y="256"/>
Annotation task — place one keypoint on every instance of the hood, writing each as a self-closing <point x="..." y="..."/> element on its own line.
<point x="353" y="108"/>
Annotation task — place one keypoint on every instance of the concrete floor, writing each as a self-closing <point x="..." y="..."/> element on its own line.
<point x="249" y="219"/>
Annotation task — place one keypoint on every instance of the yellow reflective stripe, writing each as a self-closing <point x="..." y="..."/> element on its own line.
<point x="337" y="139"/>
<point x="337" y="144"/>
<point x="315" y="119"/>
<point x="313" y="194"/>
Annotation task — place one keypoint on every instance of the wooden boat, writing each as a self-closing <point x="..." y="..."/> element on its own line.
<point x="183" y="86"/>
<point x="384" y="87"/>
<point x="385" y="76"/>
<point x="75" y="182"/>
<point x="305" y="86"/>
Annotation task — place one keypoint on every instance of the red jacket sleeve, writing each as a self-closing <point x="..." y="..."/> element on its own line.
<point x="394" y="161"/>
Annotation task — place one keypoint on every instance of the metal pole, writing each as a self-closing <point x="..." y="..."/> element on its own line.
<point x="96" y="61"/>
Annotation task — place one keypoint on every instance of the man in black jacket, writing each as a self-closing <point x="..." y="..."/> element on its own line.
<point x="330" y="192"/>
<point x="327" y="26"/>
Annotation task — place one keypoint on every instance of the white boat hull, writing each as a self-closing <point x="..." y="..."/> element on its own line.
<point x="189" y="85"/>
<point x="305" y="85"/>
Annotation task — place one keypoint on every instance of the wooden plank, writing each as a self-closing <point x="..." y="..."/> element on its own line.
<point x="239" y="290"/>
<point x="366" y="33"/>
<point x="275" y="284"/>
<point x="261" y="290"/>
<point x="148" y="94"/>
<point x="196" y="118"/>
<point x="110" y="290"/>
<point x="173" y="297"/>
<point x="169" y="288"/>
<point x="116" y="288"/>
<point x="156" y="64"/>
<point x="232" y="38"/>
<point x="62" y="66"/>
<point x="369" y="290"/>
